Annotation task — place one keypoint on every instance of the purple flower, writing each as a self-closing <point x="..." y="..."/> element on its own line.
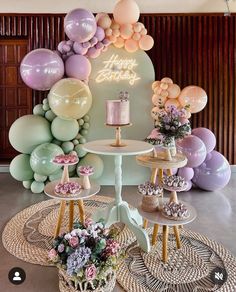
<point x="78" y="259"/>
<point x="61" y="248"/>
<point x="90" y="272"/>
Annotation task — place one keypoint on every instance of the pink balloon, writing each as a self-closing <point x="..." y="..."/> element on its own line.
<point x="106" y="42"/>
<point x="99" y="46"/>
<point x="173" y="90"/>
<point x="126" y="11"/>
<point x="131" y="46"/>
<point x="194" y="149"/>
<point x="146" y="42"/>
<point x="126" y="31"/>
<point x="93" y="53"/>
<point x="80" y="25"/>
<point x="78" y="67"/>
<point x="207" y="137"/>
<point x="60" y="46"/>
<point x="93" y="41"/>
<point x="86" y="45"/>
<point x="186" y="172"/>
<point x="100" y="33"/>
<point x="41" y="69"/>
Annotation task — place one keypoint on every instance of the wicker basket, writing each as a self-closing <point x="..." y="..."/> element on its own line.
<point x="150" y="203"/>
<point x="66" y="285"/>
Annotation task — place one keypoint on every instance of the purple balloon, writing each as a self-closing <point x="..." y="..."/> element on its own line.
<point x="78" y="67"/>
<point x="79" y="49"/>
<point x="99" y="46"/>
<point x="41" y="69"/>
<point x="93" y="41"/>
<point x="60" y="46"/>
<point x="186" y="172"/>
<point x="66" y="48"/>
<point x="100" y="34"/>
<point x="194" y="149"/>
<point x="86" y="45"/>
<point x="207" y="137"/>
<point x="93" y="53"/>
<point x="106" y="42"/>
<point x="189" y="186"/>
<point x="80" y="25"/>
<point x="213" y="174"/>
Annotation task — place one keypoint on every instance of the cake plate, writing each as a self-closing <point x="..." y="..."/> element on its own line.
<point x="118" y="142"/>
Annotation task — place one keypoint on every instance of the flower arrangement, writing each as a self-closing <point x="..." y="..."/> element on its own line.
<point x="88" y="254"/>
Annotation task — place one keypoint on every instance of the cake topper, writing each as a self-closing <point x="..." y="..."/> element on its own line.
<point x="124" y="95"/>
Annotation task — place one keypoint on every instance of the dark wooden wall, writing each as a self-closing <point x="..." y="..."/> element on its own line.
<point x="191" y="49"/>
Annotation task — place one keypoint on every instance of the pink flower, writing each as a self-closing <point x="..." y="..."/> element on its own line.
<point x="52" y="254"/>
<point x="74" y="241"/>
<point x="90" y="272"/>
<point x="88" y="222"/>
<point x="112" y="247"/>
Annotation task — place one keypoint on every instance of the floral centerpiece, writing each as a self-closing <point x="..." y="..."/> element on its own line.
<point x="87" y="258"/>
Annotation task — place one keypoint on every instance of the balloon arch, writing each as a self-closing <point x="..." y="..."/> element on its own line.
<point x="60" y="124"/>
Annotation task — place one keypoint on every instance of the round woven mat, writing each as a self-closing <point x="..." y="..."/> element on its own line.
<point x="29" y="234"/>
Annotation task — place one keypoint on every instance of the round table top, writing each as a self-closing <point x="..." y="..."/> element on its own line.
<point x="178" y="161"/>
<point x="133" y="147"/>
<point x="158" y="218"/>
<point x="84" y="194"/>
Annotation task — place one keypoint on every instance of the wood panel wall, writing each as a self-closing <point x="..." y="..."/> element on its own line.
<point x="191" y="49"/>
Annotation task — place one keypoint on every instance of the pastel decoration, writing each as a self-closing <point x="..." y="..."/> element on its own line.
<point x="37" y="187"/>
<point x="27" y="184"/>
<point x="70" y="98"/>
<point x="126" y="31"/>
<point x="108" y="32"/>
<point x="186" y="172"/>
<point x="45" y="107"/>
<point x="136" y="36"/>
<point x="94" y="161"/>
<point x="143" y="31"/>
<point x="41" y="69"/>
<point x="57" y="142"/>
<point x="67" y="147"/>
<point x="155" y="84"/>
<point x="60" y="46"/>
<point x="146" y="42"/>
<point x="138" y="26"/>
<point x="40" y="178"/>
<point x="56" y="175"/>
<point x="189" y="186"/>
<point x="116" y="32"/>
<point x="119" y="42"/>
<point x="38" y="110"/>
<point x="29" y="131"/>
<point x="79" y="49"/>
<point x="126" y="11"/>
<point x="214" y="174"/>
<point x="131" y="46"/>
<point x="103" y="20"/>
<point x="80" y="151"/>
<point x="207" y="137"/>
<point x="20" y="168"/>
<point x="93" y="53"/>
<point x="154" y="112"/>
<point x="194" y="149"/>
<point x="157" y="99"/>
<point x="42" y="156"/>
<point x="80" y="25"/>
<point x="194" y="96"/>
<point x="173" y="90"/>
<point x="100" y="34"/>
<point x="167" y="80"/>
<point x="171" y="102"/>
<point x="64" y="130"/>
<point x="78" y="67"/>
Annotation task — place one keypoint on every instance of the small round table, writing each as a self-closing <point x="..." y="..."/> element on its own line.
<point x="84" y="194"/>
<point x="158" y="219"/>
<point x="120" y="211"/>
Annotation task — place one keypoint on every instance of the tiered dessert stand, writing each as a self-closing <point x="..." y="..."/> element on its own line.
<point x="72" y="199"/>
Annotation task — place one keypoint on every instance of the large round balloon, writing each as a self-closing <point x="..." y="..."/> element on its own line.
<point x="95" y="161"/>
<point x="20" y="168"/>
<point x="70" y="98"/>
<point x="194" y="149"/>
<point x="28" y="132"/>
<point x="186" y="172"/>
<point x="64" y="130"/>
<point x="214" y="173"/>
<point x="78" y="67"/>
<point x="207" y="137"/>
<point x="193" y="96"/>
<point x="126" y="11"/>
<point x="80" y="25"/>
<point x="41" y="69"/>
<point x="42" y="156"/>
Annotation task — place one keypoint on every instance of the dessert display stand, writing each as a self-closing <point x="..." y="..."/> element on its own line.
<point x="118" y="142"/>
<point x="119" y="211"/>
<point x="71" y="198"/>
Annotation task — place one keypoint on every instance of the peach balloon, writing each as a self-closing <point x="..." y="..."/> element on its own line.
<point x="116" y="32"/>
<point x="103" y="20"/>
<point x="115" y="25"/>
<point x="156" y="84"/>
<point x="126" y="31"/>
<point x="136" y="36"/>
<point x="164" y="85"/>
<point x="126" y="11"/>
<point x="131" y="46"/>
<point x="108" y="32"/>
<point x="112" y="38"/>
<point x="170" y="102"/>
<point x="119" y="43"/>
<point x="195" y="97"/>
<point x="173" y="90"/>
<point x="158" y="90"/>
<point x="143" y="31"/>
<point x="138" y="27"/>
<point x="164" y="93"/>
<point x="154" y="112"/>
<point x="167" y="80"/>
<point x="146" y="42"/>
<point x="157" y="99"/>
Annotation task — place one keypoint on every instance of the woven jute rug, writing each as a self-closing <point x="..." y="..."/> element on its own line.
<point x="29" y="234"/>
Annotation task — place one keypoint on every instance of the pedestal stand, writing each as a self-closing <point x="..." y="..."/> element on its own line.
<point x="118" y="142"/>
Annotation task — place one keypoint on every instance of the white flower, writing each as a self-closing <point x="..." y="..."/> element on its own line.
<point x="68" y="236"/>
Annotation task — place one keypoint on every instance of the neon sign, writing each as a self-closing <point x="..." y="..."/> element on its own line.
<point x="118" y="69"/>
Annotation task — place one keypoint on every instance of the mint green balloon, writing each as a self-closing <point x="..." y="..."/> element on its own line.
<point x="37" y="187"/>
<point x="50" y="116"/>
<point x="86" y="118"/>
<point x="42" y="156"/>
<point x="46" y="107"/>
<point x="29" y="131"/>
<point x="95" y="161"/>
<point x="73" y="173"/>
<point x="45" y="101"/>
<point x="67" y="147"/>
<point x="20" y="168"/>
<point x="40" y="178"/>
<point x="57" y="142"/>
<point x="81" y="122"/>
<point x="80" y="151"/>
<point x="27" y="184"/>
<point x="38" y="110"/>
<point x="86" y="126"/>
<point x="56" y="175"/>
<point x="82" y="140"/>
<point x="75" y="142"/>
<point x="71" y="168"/>
<point x="64" y="130"/>
<point x="84" y="132"/>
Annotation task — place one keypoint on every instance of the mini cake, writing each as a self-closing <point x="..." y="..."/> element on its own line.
<point x="174" y="181"/>
<point x="175" y="211"/>
<point x="68" y="188"/>
<point x="65" y="159"/>
<point x="118" y="111"/>
<point x="151" y="193"/>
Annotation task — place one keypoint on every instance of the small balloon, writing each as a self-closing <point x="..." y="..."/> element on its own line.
<point x="158" y="99"/>
<point x="104" y="20"/>
<point x="37" y="187"/>
<point x="186" y="172"/>
<point x="38" y="110"/>
<point x="126" y="31"/>
<point x="94" y="161"/>
<point x="78" y="67"/>
<point x="93" y="53"/>
<point x="136" y="36"/>
<point x="207" y="137"/>
<point x="138" y="26"/>
<point x="119" y="43"/>
<point x="167" y="80"/>
<point x="79" y="49"/>
<point x="171" y="102"/>
<point x="155" y="84"/>
<point x="100" y="34"/>
<point x="173" y="91"/>
<point x="131" y="46"/>
<point x="146" y="42"/>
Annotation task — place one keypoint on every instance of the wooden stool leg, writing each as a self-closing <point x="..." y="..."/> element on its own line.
<point x="169" y="172"/>
<point x="145" y="223"/>
<point x="60" y="217"/>
<point x="177" y="237"/>
<point x="165" y="243"/>
<point x="160" y="172"/>
<point x="154" y="175"/>
<point x="71" y="215"/>
<point x="155" y="233"/>
<point x="81" y="211"/>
